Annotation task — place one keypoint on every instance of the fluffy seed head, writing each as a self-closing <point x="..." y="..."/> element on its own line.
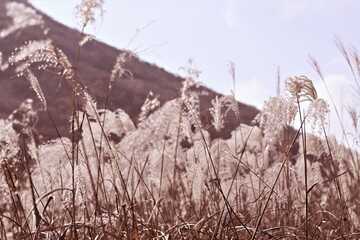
<point x="301" y="88"/>
<point x="25" y="55"/>
<point x="220" y="107"/>
<point x="189" y="101"/>
<point x="218" y="117"/>
<point x="317" y="114"/>
<point x="354" y="115"/>
<point x="191" y="109"/>
<point x="192" y="74"/>
<point x="44" y="54"/>
<point x="230" y="102"/>
<point x="87" y="9"/>
<point x="85" y="39"/>
<point x="119" y="69"/>
<point x="22" y="17"/>
<point x="34" y="83"/>
<point x="278" y="112"/>
<point x="150" y="104"/>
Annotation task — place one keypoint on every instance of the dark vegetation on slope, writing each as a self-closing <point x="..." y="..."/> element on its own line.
<point x="96" y="62"/>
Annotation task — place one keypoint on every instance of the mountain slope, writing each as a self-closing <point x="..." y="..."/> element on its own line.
<point x="95" y="65"/>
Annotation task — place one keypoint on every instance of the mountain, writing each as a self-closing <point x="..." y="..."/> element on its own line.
<point x="95" y="65"/>
<point x="161" y="177"/>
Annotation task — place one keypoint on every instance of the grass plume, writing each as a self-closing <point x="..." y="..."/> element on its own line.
<point x="168" y="177"/>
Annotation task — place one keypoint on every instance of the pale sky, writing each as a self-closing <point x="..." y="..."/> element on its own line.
<point x="256" y="35"/>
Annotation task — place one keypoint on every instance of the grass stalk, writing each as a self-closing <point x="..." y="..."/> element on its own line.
<point x="274" y="184"/>
<point x="303" y="139"/>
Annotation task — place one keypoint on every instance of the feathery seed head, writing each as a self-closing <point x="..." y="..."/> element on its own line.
<point x="317" y="114"/>
<point x="150" y="104"/>
<point x="119" y="67"/>
<point x="188" y="83"/>
<point x="230" y="102"/>
<point x="191" y="109"/>
<point x="356" y="58"/>
<point x="34" y="83"/>
<point x="218" y="117"/>
<point x="314" y="63"/>
<point x="87" y="9"/>
<point x="189" y="101"/>
<point x="217" y="112"/>
<point x="80" y="184"/>
<point x="197" y="177"/>
<point x="354" y="115"/>
<point x="79" y="190"/>
<point x="190" y="70"/>
<point x="25" y="55"/>
<point x="22" y="17"/>
<point x="90" y="105"/>
<point x="301" y="89"/>
<point x="340" y="45"/>
<point x="232" y="70"/>
<point x="45" y="54"/>
<point x="42" y="54"/>
<point x="278" y="112"/>
<point x="191" y="76"/>
<point x="85" y="39"/>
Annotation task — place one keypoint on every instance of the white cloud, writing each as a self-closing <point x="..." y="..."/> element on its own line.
<point x="254" y="92"/>
<point x="339" y="87"/>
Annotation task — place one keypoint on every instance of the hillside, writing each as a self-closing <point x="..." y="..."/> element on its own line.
<point x="170" y="175"/>
<point x="95" y="65"/>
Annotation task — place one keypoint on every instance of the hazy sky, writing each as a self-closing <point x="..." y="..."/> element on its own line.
<point x="257" y="36"/>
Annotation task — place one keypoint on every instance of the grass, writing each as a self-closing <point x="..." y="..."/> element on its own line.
<point x="166" y="178"/>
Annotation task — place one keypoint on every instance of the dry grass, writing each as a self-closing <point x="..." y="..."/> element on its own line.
<point x="166" y="178"/>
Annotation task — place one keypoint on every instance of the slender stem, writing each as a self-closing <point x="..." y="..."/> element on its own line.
<point x="274" y="184"/>
<point x="74" y="145"/>
<point x="303" y="136"/>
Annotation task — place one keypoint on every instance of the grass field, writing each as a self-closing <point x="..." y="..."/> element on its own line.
<point x="165" y="177"/>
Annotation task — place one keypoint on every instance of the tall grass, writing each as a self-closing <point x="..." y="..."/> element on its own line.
<point x="166" y="178"/>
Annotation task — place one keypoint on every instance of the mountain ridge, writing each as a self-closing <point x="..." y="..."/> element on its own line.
<point x="96" y="62"/>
